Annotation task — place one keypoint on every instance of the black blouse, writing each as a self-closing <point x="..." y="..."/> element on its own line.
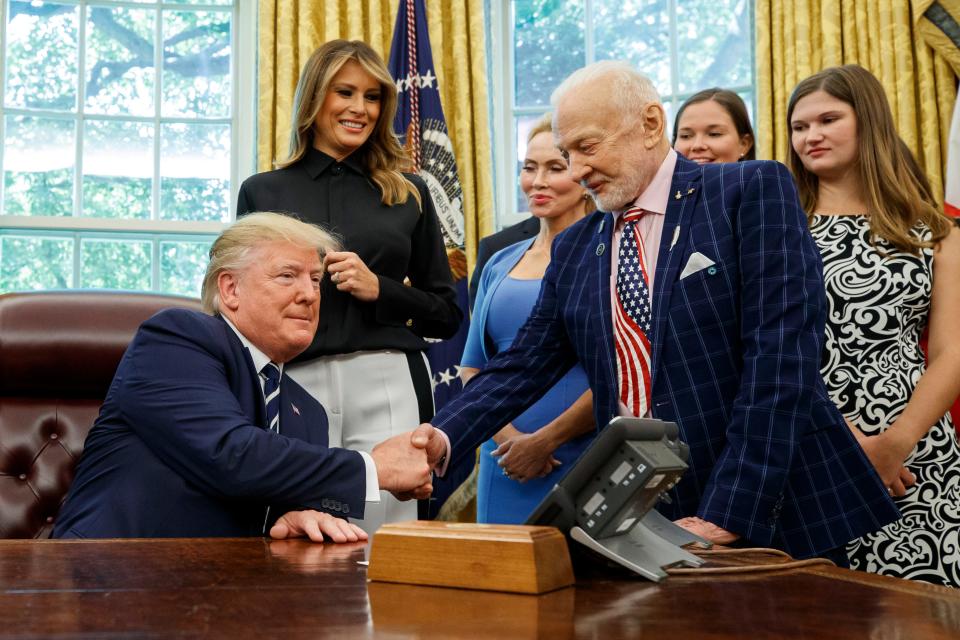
<point x="394" y="242"/>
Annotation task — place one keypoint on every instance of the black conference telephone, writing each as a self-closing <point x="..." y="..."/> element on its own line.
<point x="606" y="501"/>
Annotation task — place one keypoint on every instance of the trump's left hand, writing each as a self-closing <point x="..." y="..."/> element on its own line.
<point x="350" y="274"/>
<point x="707" y="530"/>
<point x="315" y="525"/>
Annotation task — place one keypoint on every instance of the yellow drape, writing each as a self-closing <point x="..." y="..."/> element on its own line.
<point x="796" y="38"/>
<point x="290" y="30"/>
<point x="937" y="22"/>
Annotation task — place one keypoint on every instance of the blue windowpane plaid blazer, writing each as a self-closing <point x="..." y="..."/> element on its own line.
<point x="736" y="352"/>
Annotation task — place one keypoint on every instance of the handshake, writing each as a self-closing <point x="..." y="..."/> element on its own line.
<point x="405" y="462"/>
<point x="404" y="466"/>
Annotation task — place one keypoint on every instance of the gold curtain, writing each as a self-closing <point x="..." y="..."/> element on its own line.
<point x="937" y="22"/>
<point x="796" y="38"/>
<point x="290" y="30"/>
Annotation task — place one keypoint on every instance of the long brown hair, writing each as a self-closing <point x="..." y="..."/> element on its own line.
<point x="897" y="196"/>
<point x="381" y="155"/>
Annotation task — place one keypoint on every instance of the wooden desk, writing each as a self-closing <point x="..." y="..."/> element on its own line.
<point x="253" y="588"/>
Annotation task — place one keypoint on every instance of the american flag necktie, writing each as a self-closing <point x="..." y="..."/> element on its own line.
<point x="632" y="318"/>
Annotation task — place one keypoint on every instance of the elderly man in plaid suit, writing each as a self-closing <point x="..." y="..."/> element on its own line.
<point x="693" y="295"/>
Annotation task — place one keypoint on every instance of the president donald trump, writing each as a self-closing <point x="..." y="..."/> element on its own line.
<point x="694" y="295"/>
<point x="201" y="434"/>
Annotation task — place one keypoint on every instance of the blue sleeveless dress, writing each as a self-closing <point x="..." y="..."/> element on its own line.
<point x="499" y="499"/>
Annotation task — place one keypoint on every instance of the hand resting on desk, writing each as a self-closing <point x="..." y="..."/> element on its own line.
<point x="315" y="525"/>
<point x="707" y="530"/>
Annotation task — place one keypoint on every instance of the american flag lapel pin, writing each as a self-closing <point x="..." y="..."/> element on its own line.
<point x="295" y="409"/>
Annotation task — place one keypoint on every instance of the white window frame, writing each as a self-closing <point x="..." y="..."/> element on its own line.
<point x="505" y="112"/>
<point x="243" y="49"/>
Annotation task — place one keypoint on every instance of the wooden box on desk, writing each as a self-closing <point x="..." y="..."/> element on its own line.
<point x="514" y="558"/>
<point x="435" y="613"/>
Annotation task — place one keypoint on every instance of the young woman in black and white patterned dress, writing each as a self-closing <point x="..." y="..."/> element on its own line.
<point x="891" y="263"/>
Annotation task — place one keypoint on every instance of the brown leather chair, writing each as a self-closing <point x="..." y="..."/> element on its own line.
<point x="58" y="354"/>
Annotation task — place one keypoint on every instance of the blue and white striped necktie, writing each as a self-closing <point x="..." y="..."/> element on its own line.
<point x="271" y="395"/>
<point x="271" y="399"/>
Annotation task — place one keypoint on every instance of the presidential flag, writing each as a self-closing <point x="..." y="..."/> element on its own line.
<point x="423" y="130"/>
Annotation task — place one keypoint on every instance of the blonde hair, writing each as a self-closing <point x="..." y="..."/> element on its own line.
<point x="545" y="125"/>
<point x="233" y="249"/>
<point x="381" y="155"/>
<point x="896" y="195"/>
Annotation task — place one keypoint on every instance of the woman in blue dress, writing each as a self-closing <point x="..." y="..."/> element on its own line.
<point x="520" y="464"/>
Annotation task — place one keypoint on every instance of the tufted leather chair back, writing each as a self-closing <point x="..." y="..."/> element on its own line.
<point x="58" y="354"/>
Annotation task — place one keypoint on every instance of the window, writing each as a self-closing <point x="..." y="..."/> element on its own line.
<point x="120" y="139"/>
<point x="682" y="45"/>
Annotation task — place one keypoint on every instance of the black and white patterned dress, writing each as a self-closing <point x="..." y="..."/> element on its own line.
<point x="879" y="301"/>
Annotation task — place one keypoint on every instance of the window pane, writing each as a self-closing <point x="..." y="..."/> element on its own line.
<point x="115" y="264"/>
<point x="548" y="46"/>
<point x="670" y="108"/>
<point x="195" y="172"/>
<point x="206" y="2"/>
<point x="35" y="263"/>
<point x="523" y="126"/>
<point x="41" y="56"/>
<point x="748" y="100"/>
<point x="38" y="162"/>
<point x="117" y="169"/>
<point x="637" y="31"/>
<point x="182" y="265"/>
<point x="196" y="64"/>
<point x="119" y="58"/>
<point x="714" y="41"/>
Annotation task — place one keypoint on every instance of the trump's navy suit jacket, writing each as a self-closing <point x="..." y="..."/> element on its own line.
<point x="736" y="353"/>
<point x="179" y="447"/>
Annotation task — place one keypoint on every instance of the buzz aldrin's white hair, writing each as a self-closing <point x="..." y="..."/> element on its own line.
<point x="630" y="89"/>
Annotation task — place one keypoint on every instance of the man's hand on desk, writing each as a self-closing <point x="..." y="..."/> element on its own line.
<point x="315" y="525"/>
<point x="707" y="530"/>
<point x="402" y="464"/>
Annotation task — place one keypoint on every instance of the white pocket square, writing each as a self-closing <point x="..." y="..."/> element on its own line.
<point x="697" y="262"/>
